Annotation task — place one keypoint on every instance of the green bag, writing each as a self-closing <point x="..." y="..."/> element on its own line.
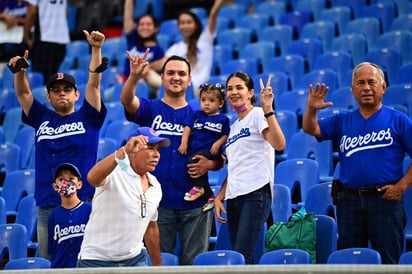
<point x="299" y="232"/>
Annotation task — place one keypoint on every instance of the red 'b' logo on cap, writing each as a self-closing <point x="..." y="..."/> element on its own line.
<point x="60" y="75"/>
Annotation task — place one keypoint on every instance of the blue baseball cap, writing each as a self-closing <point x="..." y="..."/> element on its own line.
<point x="67" y="166"/>
<point x="154" y="138"/>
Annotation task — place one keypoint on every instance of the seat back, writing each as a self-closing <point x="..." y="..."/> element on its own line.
<point x="342" y="97"/>
<point x="17" y="185"/>
<point x="308" y="48"/>
<point x="389" y="60"/>
<point x="323" y="30"/>
<point x="219" y="257"/>
<point x="248" y="65"/>
<point x="282" y="203"/>
<point x="340" y="15"/>
<point x="326" y="75"/>
<point x="400" y="94"/>
<point x="25" y="140"/>
<point x="339" y="61"/>
<point x="263" y="51"/>
<point x="12" y="123"/>
<point x="27" y="216"/>
<point x="319" y="201"/>
<point x="13" y="240"/>
<point x="280" y="35"/>
<point x="326" y="237"/>
<point x="291" y="64"/>
<point x="303" y="145"/>
<point x="405" y="71"/>
<point x="385" y="12"/>
<point x="286" y="256"/>
<point x="275" y="10"/>
<point x="105" y="147"/>
<point x="406" y="258"/>
<point x="9" y="158"/>
<point x="120" y="131"/>
<point x="368" y="26"/>
<point x="167" y="259"/>
<point x="295" y="173"/>
<point x="28" y="263"/>
<point x="402" y="22"/>
<point x="354" y="43"/>
<point x="356" y="255"/>
<point x="296" y="19"/>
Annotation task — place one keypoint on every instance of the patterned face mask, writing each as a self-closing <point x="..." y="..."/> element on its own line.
<point x="66" y="187"/>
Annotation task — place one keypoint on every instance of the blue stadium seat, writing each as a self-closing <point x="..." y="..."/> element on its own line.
<point x="356" y="255"/>
<point x="286" y="256"/>
<point x="354" y="43"/>
<point x="219" y="257"/>
<point x="248" y="65"/>
<point x="294" y="100"/>
<point x="282" y="203"/>
<point x="319" y="200"/>
<point x="28" y="263"/>
<point x="254" y="21"/>
<point x="8" y="100"/>
<point x="262" y="51"/>
<point x="339" y="61"/>
<point x="233" y="12"/>
<point x="368" y="26"/>
<point x="400" y="40"/>
<point x="343" y="97"/>
<point x="313" y="6"/>
<point x="402" y="22"/>
<point x="289" y="124"/>
<point x="9" y="158"/>
<point x="327" y="76"/>
<point x="25" y="141"/>
<point x="237" y="38"/>
<point x="221" y="54"/>
<point x="200" y="12"/>
<point x="291" y="64"/>
<point x="389" y="60"/>
<point x="105" y="147"/>
<point x="120" y="131"/>
<point x="385" y="12"/>
<point x="340" y="15"/>
<point x="404" y="74"/>
<point x="323" y="30"/>
<point x="275" y="9"/>
<point x="400" y="94"/>
<point x="355" y="6"/>
<point x="297" y="173"/>
<point x="279" y="34"/>
<point x="326" y="237"/>
<point x="167" y="259"/>
<point x="13" y="241"/>
<point x="308" y="48"/>
<point x="144" y="6"/>
<point x="17" y="185"/>
<point x="169" y="27"/>
<point x="278" y="82"/>
<point x="27" y="216"/>
<point x="406" y="258"/>
<point x="296" y="19"/>
<point x="35" y="79"/>
<point x="302" y="145"/>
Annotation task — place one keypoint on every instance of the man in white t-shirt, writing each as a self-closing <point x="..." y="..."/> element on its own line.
<point x="51" y="34"/>
<point x="125" y="203"/>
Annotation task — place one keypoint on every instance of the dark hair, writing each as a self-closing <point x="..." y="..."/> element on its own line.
<point x="176" y="58"/>
<point x="248" y="82"/>
<point x="192" y="40"/>
<point x="217" y="89"/>
<point x="153" y="38"/>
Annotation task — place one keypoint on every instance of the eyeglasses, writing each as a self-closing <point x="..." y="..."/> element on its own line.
<point x="143" y="205"/>
<point x="57" y="90"/>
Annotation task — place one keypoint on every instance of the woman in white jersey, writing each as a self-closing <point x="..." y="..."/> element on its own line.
<point x="250" y="151"/>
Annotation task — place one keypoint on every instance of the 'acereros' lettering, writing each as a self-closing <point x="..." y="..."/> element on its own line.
<point x="350" y="145"/>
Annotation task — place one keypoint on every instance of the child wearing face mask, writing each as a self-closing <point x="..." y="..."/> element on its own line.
<point x="67" y="221"/>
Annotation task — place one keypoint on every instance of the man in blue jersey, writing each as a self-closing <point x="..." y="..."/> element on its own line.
<point x="167" y="116"/>
<point x="65" y="134"/>
<point x="372" y="142"/>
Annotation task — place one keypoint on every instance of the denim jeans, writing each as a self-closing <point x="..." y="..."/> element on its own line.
<point x="42" y="230"/>
<point x="246" y="216"/>
<point x="139" y="260"/>
<point x="192" y="227"/>
<point x="374" y="219"/>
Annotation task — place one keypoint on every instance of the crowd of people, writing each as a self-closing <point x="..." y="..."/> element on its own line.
<point x="158" y="179"/>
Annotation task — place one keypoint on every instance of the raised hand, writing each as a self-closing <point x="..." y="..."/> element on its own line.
<point x="266" y="95"/>
<point x="316" y="97"/>
<point x="138" y="63"/>
<point x="95" y="38"/>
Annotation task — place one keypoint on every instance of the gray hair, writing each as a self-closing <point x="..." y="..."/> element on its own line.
<point x="381" y="74"/>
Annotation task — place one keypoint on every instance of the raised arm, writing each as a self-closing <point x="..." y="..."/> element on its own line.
<point x="274" y="134"/>
<point x="21" y="85"/>
<point x="29" y="23"/>
<point x="130" y="101"/>
<point x="316" y="101"/>
<point x="128" y="20"/>
<point x="96" y="40"/>
<point x="211" y="21"/>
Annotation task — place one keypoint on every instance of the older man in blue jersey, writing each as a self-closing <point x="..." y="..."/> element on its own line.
<point x="372" y="142"/>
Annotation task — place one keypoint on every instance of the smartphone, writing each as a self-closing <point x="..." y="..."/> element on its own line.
<point x="21" y="63"/>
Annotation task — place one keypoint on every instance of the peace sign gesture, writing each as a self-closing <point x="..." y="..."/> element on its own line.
<point x="138" y="63"/>
<point x="266" y="96"/>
